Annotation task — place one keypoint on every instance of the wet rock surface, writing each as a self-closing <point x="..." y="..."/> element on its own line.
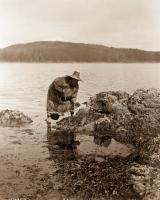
<point x="129" y="119"/>
<point x="83" y="121"/>
<point x="13" y="118"/>
<point x="92" y="177"/>
<point x="132" y="119"/>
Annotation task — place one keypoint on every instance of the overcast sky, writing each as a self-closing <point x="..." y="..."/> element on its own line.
<point x="118" y="23"/>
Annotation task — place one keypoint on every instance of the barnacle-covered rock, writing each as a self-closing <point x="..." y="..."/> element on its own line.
<point x="82" y="121"/>
<point x="104" y="101"/>
<point x="115" y="124"/>
<point x="145" y="101"/>
<point x="13" y="118"/>
<point x="145" y="181"/>
<point x="134" y="120"/>
<point x="130" y="119"/>
<point x="144" y="127"/>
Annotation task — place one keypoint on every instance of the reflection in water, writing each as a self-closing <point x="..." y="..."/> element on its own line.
<point x="62" y="145"/>
<point x="62" y="155"/>
<point x="89" y="176"/>
<point x="65" y="142"/>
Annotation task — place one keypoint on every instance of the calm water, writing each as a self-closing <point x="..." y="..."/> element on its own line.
<point x="24" y="86"/>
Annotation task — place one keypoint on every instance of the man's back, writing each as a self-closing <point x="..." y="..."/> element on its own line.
<point x="61" y="92"/>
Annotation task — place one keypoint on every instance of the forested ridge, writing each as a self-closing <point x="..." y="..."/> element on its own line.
<point x="73" y="52"/>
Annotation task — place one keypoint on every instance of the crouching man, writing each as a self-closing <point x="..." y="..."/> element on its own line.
<point x="62" y="95"/>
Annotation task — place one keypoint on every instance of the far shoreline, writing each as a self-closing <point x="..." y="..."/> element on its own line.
<point x="21" y="62"/>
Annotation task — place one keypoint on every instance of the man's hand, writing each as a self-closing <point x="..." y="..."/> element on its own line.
<point x="63" y="98"/>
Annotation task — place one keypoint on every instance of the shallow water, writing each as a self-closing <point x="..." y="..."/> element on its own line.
<point x="24" y="86"/>
<point x="24" y="151"/>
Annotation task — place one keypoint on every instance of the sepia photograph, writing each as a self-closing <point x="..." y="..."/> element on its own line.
<point x="79" y="100"/>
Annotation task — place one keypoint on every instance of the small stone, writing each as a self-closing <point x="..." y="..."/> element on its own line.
<point x="99" y="159"/>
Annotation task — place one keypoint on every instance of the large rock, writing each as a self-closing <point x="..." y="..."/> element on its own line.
<point x="145" y="181"/>
<point x="105" y="102"/>
<point x="145" y="125"/>
<point x="145" y="101"/>
<point x="83" y="121"/>
<point x="13" y="118"/>
<point x="135" y="120"/>
<point x="131" y="119"/>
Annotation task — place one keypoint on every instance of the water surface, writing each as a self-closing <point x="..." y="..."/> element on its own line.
<point x="24" y="154"/>
<point x="24" y="86"/>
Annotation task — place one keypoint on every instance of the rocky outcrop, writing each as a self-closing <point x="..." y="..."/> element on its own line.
<point x="13" y="118"/>
<point x="145" y="181"/>
<point x="129" y="119"/>
<point x="83" y="121"/>
<point x="134" y="120"/>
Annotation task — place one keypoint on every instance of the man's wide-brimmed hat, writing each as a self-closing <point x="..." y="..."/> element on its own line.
<point x="75" y="75"/>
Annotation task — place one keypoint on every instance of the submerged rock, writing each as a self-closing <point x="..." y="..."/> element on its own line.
<point x="13" y="118"/>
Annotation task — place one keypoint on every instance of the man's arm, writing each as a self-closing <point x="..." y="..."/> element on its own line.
<point x="73" y="99"/>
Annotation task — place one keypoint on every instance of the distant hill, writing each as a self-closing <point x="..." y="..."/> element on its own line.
<point x="73" y="52"/>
